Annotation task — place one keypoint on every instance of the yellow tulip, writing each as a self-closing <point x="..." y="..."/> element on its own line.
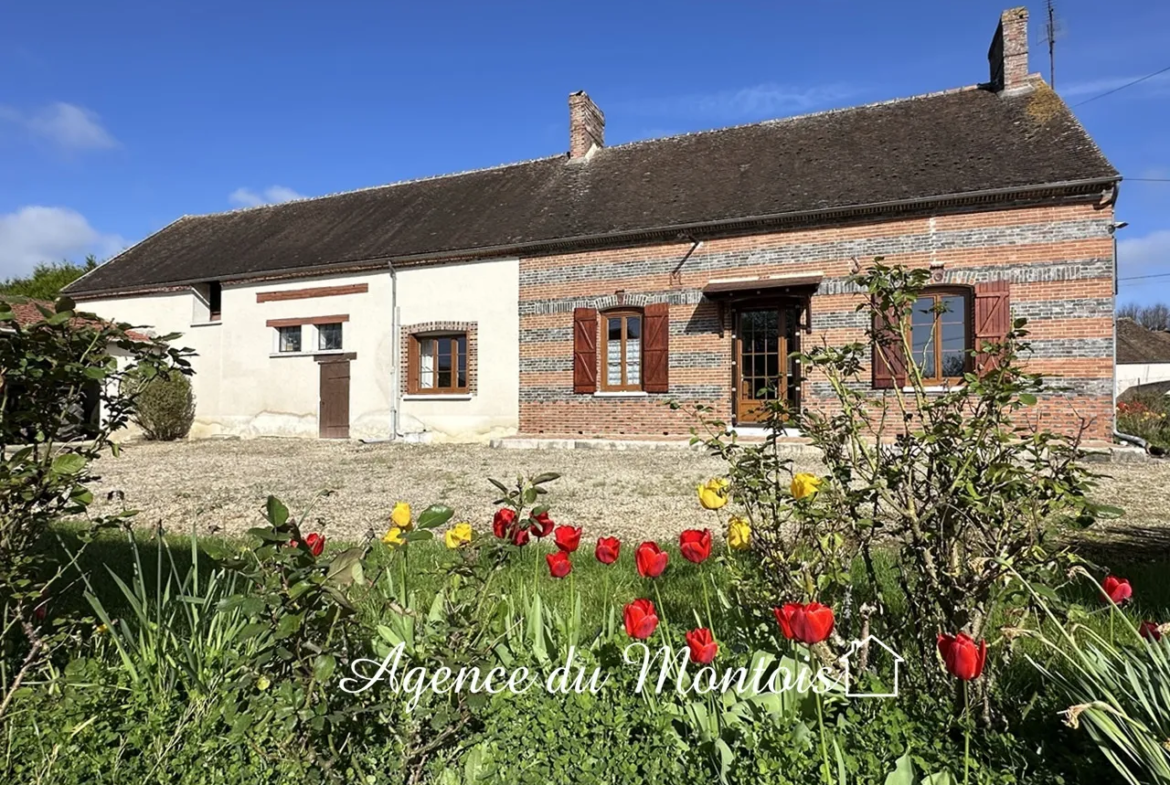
<point x="262" y="683"/>
<point x="805" y="485"/>
<point x="457" y="535"/>
<point x="101" y="629"/>
<point x="400" y="516"/>
<point x="713" y="494"/>
<point x="739" y="534"/>
<point x="393" y="537"/>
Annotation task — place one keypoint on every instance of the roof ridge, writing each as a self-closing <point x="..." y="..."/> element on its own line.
<point x="394" y="184"/>
<point x="797" y="117"/>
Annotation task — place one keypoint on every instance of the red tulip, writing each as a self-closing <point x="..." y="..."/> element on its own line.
<point x="695" y="545"/>
<point x="608" y="549"/>
<point x="1150" y="631"/>
<point x="1118" y="589"/>
<point x="650" y="559"/>
<point x="520" y="537"/>
<point x="809" y="624"/>
<point x="316" y="543"/>
<point x="702" y="645"/>
<point x="558" y="564"/>
<point x="568" y="539"/>
<point x="503" y="521"/>
<point x="543" y="525"/>
<point x="963" y="657"/>
<point x="641" y="619"/>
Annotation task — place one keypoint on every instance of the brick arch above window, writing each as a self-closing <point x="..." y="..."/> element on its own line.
<point x="411" y="335"/>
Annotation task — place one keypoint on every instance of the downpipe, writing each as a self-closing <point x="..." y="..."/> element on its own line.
<point x="395" y="364"/>
<point x="1137" y="441"/>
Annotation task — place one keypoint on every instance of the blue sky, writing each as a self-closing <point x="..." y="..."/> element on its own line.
<point x="118" y="117"/>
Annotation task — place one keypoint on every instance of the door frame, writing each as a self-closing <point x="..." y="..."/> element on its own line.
<point x="781" y="303"/>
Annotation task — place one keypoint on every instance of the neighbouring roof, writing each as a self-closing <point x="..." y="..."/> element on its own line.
<point x="959" y="142"/>
<point x="27" y="314"/>
<point x="1139" y="345"/>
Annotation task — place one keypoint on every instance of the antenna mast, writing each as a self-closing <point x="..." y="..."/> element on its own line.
<point x="1050" y="29"/>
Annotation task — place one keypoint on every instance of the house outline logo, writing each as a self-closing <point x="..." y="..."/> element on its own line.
<point x="846" y="661"/>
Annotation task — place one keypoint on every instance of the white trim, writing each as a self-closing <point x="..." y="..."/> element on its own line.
<point x="621" y="394"/>
<point x="438" y="397"/>
<point x="940" y="388"/>
<point x="330" y="353"/>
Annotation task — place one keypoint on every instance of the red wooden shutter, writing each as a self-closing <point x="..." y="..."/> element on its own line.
<point x="889" y="365"/>
<point x="411" y="365"/>
<point x="993" y="320"/>
<point x="656" y="348"/>
<point x="584" y="350"/>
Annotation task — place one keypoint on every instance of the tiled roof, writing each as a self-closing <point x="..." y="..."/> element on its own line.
<point x="27" y="314"/>
<point x="1138" y="345"/>
<point x="962" y="142"/>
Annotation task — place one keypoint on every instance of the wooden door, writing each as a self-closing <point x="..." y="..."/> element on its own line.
<point x="334" y="408"/>
<point x="765" y="336"/>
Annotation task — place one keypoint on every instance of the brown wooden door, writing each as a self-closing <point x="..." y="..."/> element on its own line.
<point x="764" y="338"/>
<point x="334" y="409"/>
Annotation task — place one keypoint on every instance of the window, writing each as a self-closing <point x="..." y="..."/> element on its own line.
<point x="214" y="300"/>
<point x="621" y="354"/>
<point x="439" y="364"/>
<point x="329" y="337"/>
<point x="288" y="339"/>
<point x="941" y="335"/>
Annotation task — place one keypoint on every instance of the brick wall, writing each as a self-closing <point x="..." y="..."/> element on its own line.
<point x="1058" y="260"/>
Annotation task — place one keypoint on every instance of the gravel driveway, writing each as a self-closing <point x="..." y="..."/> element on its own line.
<point x="635" y="493"/>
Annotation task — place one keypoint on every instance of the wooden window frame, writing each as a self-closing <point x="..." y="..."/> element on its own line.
<point x="938" y="292"/>
<point x="341" y="328"/>
<point x="624" y="314"/>
<point x="414" y="360"/>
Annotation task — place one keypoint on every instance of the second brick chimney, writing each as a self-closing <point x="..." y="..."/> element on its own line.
<point x="1008" y="55"/>
<point x="586" y="125"/>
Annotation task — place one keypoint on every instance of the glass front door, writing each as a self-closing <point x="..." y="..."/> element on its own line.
<point x="764" y="339"/>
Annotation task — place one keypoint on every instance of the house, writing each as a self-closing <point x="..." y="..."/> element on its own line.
<point x="1143" y="355"/>
<point x="575" y="294"/>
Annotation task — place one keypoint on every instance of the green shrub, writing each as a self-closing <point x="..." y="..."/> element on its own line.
<point x="166" y="407"/>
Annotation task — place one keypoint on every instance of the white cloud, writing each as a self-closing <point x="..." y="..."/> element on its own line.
<point x="273" y="194"/>
<point x="1148" y="255"/>
<point x="67" y="126"/>
<point x="748" y="103"/>
<point x="35" y="234"/>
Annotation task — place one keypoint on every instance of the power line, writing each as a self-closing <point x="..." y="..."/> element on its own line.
<point x="1148" y="179"/>
<point x="1143" y="277"/>
<point x="1122" y="87"/>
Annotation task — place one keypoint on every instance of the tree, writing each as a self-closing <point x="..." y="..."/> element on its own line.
<point x="48" y="279"/>
<point x="1152" y="317"/>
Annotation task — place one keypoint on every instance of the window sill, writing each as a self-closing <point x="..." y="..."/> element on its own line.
<point x="206" y="324"/>
<point x="329" y="353"/>
<point x="437" y="397"/>
<point x="935" y="388"/>
<point x="622" y="394"/>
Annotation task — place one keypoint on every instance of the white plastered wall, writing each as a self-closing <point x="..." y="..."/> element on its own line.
<point x="243" y="387"/>
<point x="1133" y="374"/>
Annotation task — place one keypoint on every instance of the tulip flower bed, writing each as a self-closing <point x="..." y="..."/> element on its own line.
<point x="908" y="616"/>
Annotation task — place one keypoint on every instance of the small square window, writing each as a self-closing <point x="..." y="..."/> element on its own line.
<point x="329" y="337"/>
<point x="288" y="339"/>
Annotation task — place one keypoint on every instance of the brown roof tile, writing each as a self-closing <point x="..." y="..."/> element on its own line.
<point x="1138" y="345"/>
<point x="959" y="142"/>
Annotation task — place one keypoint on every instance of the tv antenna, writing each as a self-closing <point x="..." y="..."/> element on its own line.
<point x="1052" y="30"/>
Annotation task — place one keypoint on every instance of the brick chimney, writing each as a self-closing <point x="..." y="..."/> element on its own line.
<point x="586" y="125"/>
<point x="1008" y="55"/>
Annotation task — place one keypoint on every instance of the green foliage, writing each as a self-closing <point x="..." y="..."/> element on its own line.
<point x="55" y="374"/>
<point x="166" y="406"/>
<point x="47" y="279"/>
<point x="1145" y="415"/>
